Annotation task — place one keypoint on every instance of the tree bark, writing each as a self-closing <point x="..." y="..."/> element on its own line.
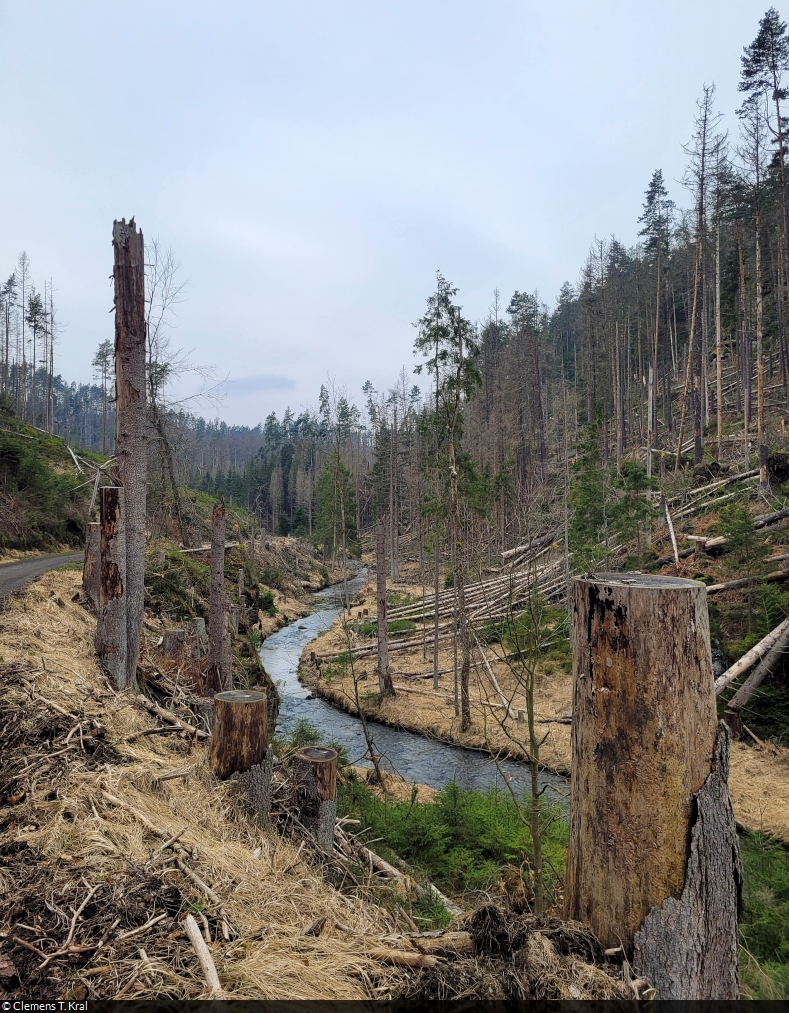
<point x="217" y="678"/>
<point x="130" y="428"/>
<point x="644" y="730"/>
<point x="385" y="687"/>
<point x="112" y="625"/>
<point x="687" y="947"/>
<point x="239" y="739"/>
<point x="91" y="570"/>
<point x="315" y="774"/>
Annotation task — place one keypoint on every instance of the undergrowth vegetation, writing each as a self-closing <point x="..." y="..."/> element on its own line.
<point x="41" y="502"/>
<point x="764" y="929"/>
<point x="463" y="841"/>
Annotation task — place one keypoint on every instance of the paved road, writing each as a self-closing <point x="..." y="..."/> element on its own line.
<point x="16" y="575"/>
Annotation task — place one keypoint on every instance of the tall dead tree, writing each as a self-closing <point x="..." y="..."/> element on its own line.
<point x="217" y="670"/>
<point x="653" y="860"/>
<point x="91" y="570"/>
<point x="112" y="626"/>
<point x="131" y="448"/>
<point x="385" y="686"/>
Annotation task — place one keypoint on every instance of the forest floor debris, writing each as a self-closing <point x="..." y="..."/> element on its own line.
<point x="102" y="856"/>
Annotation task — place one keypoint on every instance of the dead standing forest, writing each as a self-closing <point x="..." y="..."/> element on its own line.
<point x="637" y="425"/>
<point x="668" y="355"/>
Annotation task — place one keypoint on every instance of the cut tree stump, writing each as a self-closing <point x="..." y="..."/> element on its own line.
<point x="174" y="644"/>
<point x="240" y="732"/>
<point x="112" y="624"/>
<point x="644" y="745"/>
<point x="315" y="774"/>
<point x="91" y="570"/>
<point x="239" y="746"/>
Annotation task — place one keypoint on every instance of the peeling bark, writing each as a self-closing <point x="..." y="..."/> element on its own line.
<point x="687" y="947"/>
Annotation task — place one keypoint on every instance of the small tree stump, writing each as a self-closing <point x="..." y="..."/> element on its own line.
<point x="234" y="620"/>
<point x="197" y="627"/>
<point x="173" y="646"/>
<point x="160" y="558"/>
<point x="241" y="584"/>
<point x="240" y="733"/>
<point x="315" y="774"/>
<point x="644" y="746"/>
<point x="91" y="570"/>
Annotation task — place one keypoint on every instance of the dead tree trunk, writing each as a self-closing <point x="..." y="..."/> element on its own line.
<point x="644" y="745"/>
<point x="315" y="773"/>
<point x="239" y="745"/>
<point x="130" y="426"/>
<point x="385" y="687"/>
<point x="112" y="627"/>
<point x="91" y="570"/>
<point x="774" y="656"/>
<point x="216" y="663"/>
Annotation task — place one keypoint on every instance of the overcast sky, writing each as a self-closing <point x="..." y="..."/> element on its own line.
<point x="312" y="164"/>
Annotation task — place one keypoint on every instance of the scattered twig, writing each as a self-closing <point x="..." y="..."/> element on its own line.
<point x="207" y="965"/>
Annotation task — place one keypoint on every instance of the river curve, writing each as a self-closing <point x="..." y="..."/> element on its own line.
<point x="414" y="757"/>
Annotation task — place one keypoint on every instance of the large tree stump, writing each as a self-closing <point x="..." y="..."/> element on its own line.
<point x="315" y="774"/>
<point x="240" y="734"/>
<point x="91" y="570"/>
<point x="112" y="624"/>
<point x="131" y="421"/>
<point x="644" y="734"/>
<point x="239" y="746"/>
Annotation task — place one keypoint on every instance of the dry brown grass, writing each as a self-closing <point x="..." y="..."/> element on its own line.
<point x="68" y="834"/>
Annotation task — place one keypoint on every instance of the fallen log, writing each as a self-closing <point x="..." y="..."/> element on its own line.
<point x="730" y="585"/>
<point x="535" y="543"/>
<point x="752" y="683"/>
<point x="171" y="718"/>
<point x="750" y="658"/>
<point x="765" y="520"/>
<point x="402" y="958"/>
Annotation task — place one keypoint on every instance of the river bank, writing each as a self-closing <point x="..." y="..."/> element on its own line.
<point x="759" y="775"/>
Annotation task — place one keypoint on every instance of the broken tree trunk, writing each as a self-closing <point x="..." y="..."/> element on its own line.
<point x="112" y="625"/>
<point x="644" y="738"/>
<point x="131" y="433"/>
<point x="216" y="677"/>
<point x="385" y="687"/>
<point x="768" y="664"/>
<point x="315" y="774"/>
<point x="91" y="570"/>
<point x="750" y="658"/>
<point x="239" y="746"/>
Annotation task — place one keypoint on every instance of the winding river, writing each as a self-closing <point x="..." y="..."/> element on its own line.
<point x="414" y="757"/>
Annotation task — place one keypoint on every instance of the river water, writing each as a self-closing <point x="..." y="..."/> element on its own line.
<point x="414" y="757"/>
